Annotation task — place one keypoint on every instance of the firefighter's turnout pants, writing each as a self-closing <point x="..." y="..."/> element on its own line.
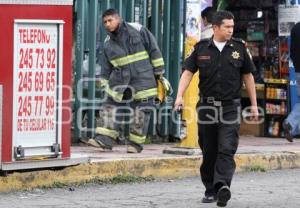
<point x="131" y="115"/>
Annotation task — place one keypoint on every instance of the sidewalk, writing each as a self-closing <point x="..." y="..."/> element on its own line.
<point x="254" y="153"/>
<point x="247" y="145"/>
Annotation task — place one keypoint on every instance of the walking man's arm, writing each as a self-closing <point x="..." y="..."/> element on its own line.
<point x="184" y="82"/>
<point x="250" y="86"/>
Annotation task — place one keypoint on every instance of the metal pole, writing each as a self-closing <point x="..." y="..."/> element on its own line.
<point x="79" y="49"/>
<point x="86" y="25"/>
<point x="92" y="62"/>
<point x="107" y="4"/>
<point x="154" y="18"/>
<point x="160" y="20"/>
<point x="130" y="11"/>
<point x="176" y="52"/>
<point x="164" y="126"/>
<point x="166" y="36"/>
<point x="145" y="12"/>
<point x="154" y="30"/>
<point x="119" y="7"/>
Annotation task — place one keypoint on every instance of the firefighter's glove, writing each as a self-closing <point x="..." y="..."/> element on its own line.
<point x="164" y="89"/>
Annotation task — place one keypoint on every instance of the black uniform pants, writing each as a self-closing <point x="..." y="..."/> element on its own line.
<point x="218" y="139"/>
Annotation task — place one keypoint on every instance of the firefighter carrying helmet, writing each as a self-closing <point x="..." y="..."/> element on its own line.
<point x="164" y="89"/>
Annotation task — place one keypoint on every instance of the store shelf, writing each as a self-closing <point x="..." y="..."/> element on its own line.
<point x="278" y="115"/>
<point x="276" y="99"/>
<point x="276" y="81"/>
<point x="276" y="105"/>
<point x="260" y="88"/>
<point x="257" y="86"/>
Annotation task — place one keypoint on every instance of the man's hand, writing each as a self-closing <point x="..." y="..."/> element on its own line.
<point x="254" y="113"/>
<point x="179" y="104"/>
<point x="99" y="84"/>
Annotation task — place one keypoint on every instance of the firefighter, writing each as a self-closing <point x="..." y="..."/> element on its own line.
<point x="131" y="65"/>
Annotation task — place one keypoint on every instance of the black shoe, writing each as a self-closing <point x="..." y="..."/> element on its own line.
<point x="104" y="142"/>
<point x="287" y="129"/>
<point x="209" y="199"/>
<point x="133" y="147"/>
<point x="223" y="196"/>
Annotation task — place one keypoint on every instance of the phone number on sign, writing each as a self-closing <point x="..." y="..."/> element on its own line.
<point x="36" y="81"/>
<point x="36" y="106"/>
<point x="38" y="58"/>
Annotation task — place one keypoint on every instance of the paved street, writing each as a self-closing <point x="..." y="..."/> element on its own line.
<point x="271" y="189"/>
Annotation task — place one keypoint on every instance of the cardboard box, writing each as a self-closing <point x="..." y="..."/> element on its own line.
<point x="251" y="129"/>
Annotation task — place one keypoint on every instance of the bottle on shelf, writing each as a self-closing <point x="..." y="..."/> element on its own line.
<point x="283" y="108"/>
<point x="267" y="108"/>
<point x="270" y="126"/>
<point x="268" y="92"/>
<point x="273" y="94"/>
<point x="275" y="129"/>
<point x="278" y="93"/>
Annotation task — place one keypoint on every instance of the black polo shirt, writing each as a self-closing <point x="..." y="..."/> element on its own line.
<point x="220" y="72"/>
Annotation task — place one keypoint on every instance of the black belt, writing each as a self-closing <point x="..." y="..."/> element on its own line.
<point x="214" y="102"/>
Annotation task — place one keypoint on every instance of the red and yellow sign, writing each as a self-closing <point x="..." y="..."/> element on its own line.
<point x="37" y="77"/>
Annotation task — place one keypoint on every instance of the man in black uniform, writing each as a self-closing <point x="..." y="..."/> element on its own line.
<point x="223" y="62"/>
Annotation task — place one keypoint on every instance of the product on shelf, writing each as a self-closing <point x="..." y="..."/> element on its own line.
<point x="275" y="93"/>
<point x="274" y="128"/>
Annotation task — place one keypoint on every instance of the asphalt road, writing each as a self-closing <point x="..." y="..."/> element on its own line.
<point x="280" y="189"/>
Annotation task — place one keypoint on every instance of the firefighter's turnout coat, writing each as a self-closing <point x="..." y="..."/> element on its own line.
<point x="131" y="59"/>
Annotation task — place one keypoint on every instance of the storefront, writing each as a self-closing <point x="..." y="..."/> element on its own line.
<point x="265" y="26"/>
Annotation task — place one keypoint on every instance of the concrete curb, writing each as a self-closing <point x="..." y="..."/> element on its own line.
<point x="174" y="167"/>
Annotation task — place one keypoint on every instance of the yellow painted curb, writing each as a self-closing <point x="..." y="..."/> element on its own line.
<point x="174" y="167"/>
<point x="157" y="167"/>
<point x="267" y="161"/>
